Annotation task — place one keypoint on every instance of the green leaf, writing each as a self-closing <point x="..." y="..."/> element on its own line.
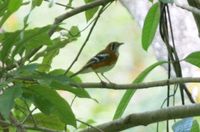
<point x="36" y="3"/>
<point x="69" y="3"/>
<point x="150" y="25"/>
<point x="193" y="58"/>
<point x="73" y="34"/>
<point x="90" y="13"/>
<point x="195" y="126"/>
<point x="47" y="60"/>
<point x="12" y="6"/>
<point x="48" y="121"/>
<point x="183" y="125"/>
<point x="32" y="39"/>
<point x="8" y="40"/>
<point x="7" y="100"/>
<point x="57" y="80"/>
<point x="19" y="113"/>
<point x="46" y="98"/>
<point x="3" y="7"/>
<point x="129" y="93"/>
<point x="27" y="70"/>
<point x="167" y="1"/>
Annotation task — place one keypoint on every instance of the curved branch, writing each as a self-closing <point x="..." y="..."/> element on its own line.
<point x="149" y="117"/>
<point x="188" y="8"/>
<point x="139" y="85"/>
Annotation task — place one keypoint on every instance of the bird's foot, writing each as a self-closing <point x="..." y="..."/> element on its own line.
<point x="103" y="83"/>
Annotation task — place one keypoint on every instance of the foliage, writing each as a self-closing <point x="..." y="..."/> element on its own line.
<point x="27" y="79"/>
<point x="129" y="93"/>
<point x="150" y="25"/>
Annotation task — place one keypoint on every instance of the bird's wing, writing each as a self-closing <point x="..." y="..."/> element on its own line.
<point x="97" y="59"/>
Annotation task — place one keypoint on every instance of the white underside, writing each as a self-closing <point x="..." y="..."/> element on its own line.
<point x="99" y="70"/>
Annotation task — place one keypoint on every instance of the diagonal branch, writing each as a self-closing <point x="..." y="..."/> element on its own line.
<point x="86" y="40"/>
<point x="147" y="118"/>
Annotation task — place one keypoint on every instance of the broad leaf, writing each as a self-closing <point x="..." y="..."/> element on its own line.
<point x="129" y="93"/>
<point x="64" y="84"/>
<point x="7" y="100"/>
<point x="150" y="25"/>
<point x="193" y="58"/>
<point x="51" y="121"/>
<point x="50" y="102"/>
<point x="90" y="13"/>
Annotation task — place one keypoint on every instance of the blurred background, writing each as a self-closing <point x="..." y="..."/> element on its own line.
<point x="115" y="24"/>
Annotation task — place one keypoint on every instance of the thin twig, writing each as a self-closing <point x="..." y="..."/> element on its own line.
<point x="30" y="115"/>
<point x="86" y="40"/>
<point x="85" y="123"/>
<point x="17" y="124"/>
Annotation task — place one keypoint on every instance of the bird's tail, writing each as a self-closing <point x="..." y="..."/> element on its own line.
<point x="76" y="73"/>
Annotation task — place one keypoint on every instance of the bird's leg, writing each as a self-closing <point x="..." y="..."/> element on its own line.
<point x="106" y="78"/>
<point x="102" y="82"/>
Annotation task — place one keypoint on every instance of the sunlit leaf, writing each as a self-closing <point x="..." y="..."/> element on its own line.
<point x="150" y="25"/>
<point x="193" y="58"/>
<point x="90" y="13"/>
<point x="13" y="6"/>
<point x="36" y="3"/>
<point x="129" y="93"/>
<point x="195" y="126"/>
<point x="74" y="33"/>
<point x="47" y="60"/>
<point x="48" y="121"/>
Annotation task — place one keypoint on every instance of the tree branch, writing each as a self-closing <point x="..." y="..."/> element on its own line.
<point x="188" y="8"/>
<point x="75" y="11"/>
<point x="149" y="117"/>
<point x="139" y="85"/>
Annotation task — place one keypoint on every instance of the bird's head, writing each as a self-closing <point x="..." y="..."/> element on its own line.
<point x="114" y="46"/>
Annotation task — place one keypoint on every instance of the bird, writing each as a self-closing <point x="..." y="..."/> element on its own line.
<point x="103" y="61"/>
